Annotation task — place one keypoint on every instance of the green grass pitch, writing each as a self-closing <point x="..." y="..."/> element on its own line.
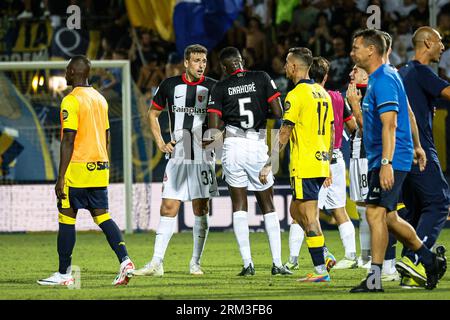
<point x="28" y="257"/>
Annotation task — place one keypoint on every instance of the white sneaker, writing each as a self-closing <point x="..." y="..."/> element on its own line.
<point x="363" y="265"/>
<point x="125" y="273"/>
<point x="395" y="276"/>
<point x="346" y="264"/>
<point x="195" y="269"/>
<point x="57" y="279"/>
<point x="150" y="269"/>
<point x="25" y="15"/>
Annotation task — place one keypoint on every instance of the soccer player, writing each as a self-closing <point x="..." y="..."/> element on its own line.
<point x="244" y="100"/>
<point x="189" y="176"/>
<point x="334" y="197"/>
<point x="425" y="193"/>
<point x="358" y="165"/>
<point x="389" y="148"/>
<point x="84" y="172"/>
<point x="308" y="125"/>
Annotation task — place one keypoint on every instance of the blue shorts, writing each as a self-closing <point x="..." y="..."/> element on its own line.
<point x="384" y="198"/>
<point x="84" y="198"/>
<point x="306" y="188"/>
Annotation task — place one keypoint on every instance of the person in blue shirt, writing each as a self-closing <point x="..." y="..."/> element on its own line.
<point x="425" y="193"/>
<point x="389" y="148"/>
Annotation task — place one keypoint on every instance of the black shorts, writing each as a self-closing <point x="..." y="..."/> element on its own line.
<point x="384" y="198"/>
<point x="306" y="188"/>
<point x="84" y="198"/>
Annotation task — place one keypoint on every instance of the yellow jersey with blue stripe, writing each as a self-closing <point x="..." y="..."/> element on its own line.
<point x="309" y="109"/>
<point x="85" y="111"/>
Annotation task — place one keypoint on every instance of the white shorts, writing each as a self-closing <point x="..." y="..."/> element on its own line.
<point x="242" y="160"/>
<point x="186" y="181"/>
<point x="359" y="184"/>
<point x="335" y="195"/>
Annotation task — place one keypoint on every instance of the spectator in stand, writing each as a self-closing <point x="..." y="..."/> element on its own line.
<point x="303" y="18"/>
<point x="403" y="39"/>
<point x="256" y="40"/>
<point x="174" y="65"/>
<point x="405" y="9"/>
<point x="420" y="16"/>
<point x="340" y="65"/>
<point x="106" y="49"/>
<point x="111" y="83"/>
<point x="262" y="9"/>
<point x="30" y="5"/>
<point x="320" y="42"/>
<point x="150" y="75"/>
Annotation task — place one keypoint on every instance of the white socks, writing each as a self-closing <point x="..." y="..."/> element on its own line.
<point x="272" y="225"/>
<point x="241" y="231"/>
<point x="364" y="233"/>
<point x="163" y="235"/>
<point x="296" y="236"/>
<point x="347" y="233"/>
<point x="199" y="233"/>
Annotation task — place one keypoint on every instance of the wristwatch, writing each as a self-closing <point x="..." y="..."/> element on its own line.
<point x="385" y="161"/>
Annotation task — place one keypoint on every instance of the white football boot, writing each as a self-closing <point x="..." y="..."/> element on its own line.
<point x="57" y="279"/>
<point x="150" y="269"/>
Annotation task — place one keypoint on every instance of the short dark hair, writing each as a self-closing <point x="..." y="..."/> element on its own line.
<point x="229" y="52"/>
<point x="372" y="37"/>
<point x="387" y="37"/>
<point x="194" y="48"/>
<point x="81" y="58"/>
<point x="319" y="69"/>
<point x="303" y="54"/>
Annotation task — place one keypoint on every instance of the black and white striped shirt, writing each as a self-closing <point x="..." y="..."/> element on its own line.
<point x="187" y="103"/>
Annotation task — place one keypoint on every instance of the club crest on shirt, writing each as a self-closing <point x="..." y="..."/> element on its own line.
<point x="65" y="114"/>
<point x="287" y="106"/>
<point x="91" y="166"/>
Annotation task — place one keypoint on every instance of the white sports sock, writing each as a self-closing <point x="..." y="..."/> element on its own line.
<point x="389" y="266"/>
<point x="320" y="269"/>
<point x="199" y="233"/>
<point x="240" y="227"/>
<point x="296" y="236"/>
<point x="272" y="224"/>
<point x="163" y="235"/>
<point x="347" y="233"/>
<point x="364" y="230"/>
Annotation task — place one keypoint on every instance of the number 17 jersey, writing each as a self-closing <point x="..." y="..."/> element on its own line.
<point x="308" y="108"/>
<point x="242" y="99"/>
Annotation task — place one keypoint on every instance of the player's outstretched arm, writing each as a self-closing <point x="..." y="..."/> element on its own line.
<point x="281" y="141"/>
<point x="420" y="156"/>
<point x="153" y="115"/>
<point x="66" y="151"/>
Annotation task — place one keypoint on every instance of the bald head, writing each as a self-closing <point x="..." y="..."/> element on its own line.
<point x="428" y="45"/>
<point x="77" y="72"/>
<point x="424" y="34"/>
